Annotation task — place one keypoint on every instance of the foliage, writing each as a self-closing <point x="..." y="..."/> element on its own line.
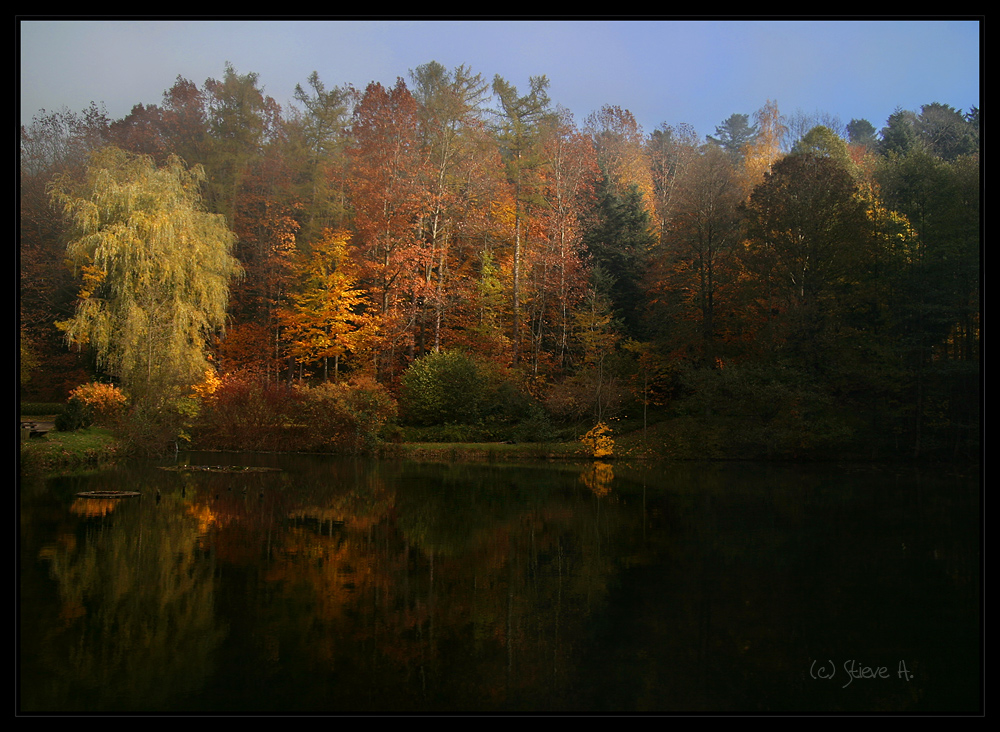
<point x="823" y="142"/>
<point x="763" y="411"/>
<point x="899" y="134"/>
<point x="155" y="266"/>
<point x="347" y="417"/>
<point x="28" y="359"/>
<point x="946" y="132"/>
<point x="518" y="127"/>
<point x="765" y="149"/>
<point x="598" y="441"/>
<point x="690" y="282"/>
<point x="374" y="228"/>
<point x="387" y="186"/>
<point x="807" y="230"/>
<point x="151" y="429"/>
<point x="38" y="409"/>
<point x="733" y="135"/>
<point x="862" y="132"/>
<point x="104" y="402"/>
<point x="442" y="387"/>
<point x="452" y="387"/>
<point x="248" y="348"/>
<point x="596" y="389"/>
<point x="88" y="404"/>
<point x="620" y="239"/>
<point x="619" y="142"/>
<point x="204" y="390"/>
<point x="75" y="416"/>
<point x="247" y="413"/>
<point x="321" y="320"/>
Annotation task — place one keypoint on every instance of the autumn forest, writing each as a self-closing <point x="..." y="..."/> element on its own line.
<point x="456" y="258"/>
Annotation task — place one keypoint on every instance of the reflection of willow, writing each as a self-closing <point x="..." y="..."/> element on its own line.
<point x="138" y="628"/>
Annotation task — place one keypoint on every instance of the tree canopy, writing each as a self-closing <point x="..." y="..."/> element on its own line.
<point x="353" y="235"/>
<point x="156" y="268"/>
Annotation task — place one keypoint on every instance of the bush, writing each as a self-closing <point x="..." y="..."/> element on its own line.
<point x="599" y="442"/>
<point x="442" y="388"/>
<point x="89" y="404"/>
<point x="246" y="413"/>
<point x="75" y="416"/>
<point x="346" y="417"/>
<point x="763" y="411"/>
<point x="105" y="402"/>
<point x="451" y="387"/>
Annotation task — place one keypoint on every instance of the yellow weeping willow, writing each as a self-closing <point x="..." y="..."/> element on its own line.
<point x="156" y="268"/>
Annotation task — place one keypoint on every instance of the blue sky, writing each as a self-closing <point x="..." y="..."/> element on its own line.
<point x="664" y="71"/>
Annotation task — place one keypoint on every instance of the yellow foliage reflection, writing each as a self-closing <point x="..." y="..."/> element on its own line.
<point x="94" y="507"/>
<point x="206" y="518"/>
<point x="598" y="478"/>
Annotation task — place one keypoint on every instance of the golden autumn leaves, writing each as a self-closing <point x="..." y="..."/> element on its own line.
<point x="156" y="268"/>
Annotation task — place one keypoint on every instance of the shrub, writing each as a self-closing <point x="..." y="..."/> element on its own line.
<point x="38" y="409"/>
<point x="451" y="387"/>
<point x="347" y="416"/>
<point x="763" y="410"/>
<point x="246" y="413"/>
<point x="598" y="441"/>
<point x="588" y="393"/>
<point x="105" y="401"/>
<point x="89" y="404"/>
<point x="441" y="388"/>
<point x="75" y="416"/>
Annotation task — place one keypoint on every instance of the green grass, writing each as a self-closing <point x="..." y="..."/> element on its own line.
<point x="67" y="451"/>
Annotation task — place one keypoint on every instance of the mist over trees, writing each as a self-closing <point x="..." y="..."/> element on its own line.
<point x="787" y="284"/>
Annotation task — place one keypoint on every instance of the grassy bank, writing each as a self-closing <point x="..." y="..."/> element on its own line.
<point x="59" y="452"/>
<point x="483" y="451"/>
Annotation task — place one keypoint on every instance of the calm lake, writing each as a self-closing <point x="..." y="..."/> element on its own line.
<point x="338" y="585"/>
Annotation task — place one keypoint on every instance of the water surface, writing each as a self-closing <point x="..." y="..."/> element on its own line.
<point x="343" y="585"/>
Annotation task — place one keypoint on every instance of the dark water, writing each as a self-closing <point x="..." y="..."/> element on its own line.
<point x="337" y="585"/>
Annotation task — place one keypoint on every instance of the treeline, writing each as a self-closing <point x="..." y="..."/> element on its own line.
<point x="788" y="284"/>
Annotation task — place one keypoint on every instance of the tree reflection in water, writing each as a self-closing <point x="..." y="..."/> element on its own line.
<point x="349" y="585"/>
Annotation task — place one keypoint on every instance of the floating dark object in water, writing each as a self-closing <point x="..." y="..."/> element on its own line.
<point x="219" y="469"/>
<point x="108" y="494"/>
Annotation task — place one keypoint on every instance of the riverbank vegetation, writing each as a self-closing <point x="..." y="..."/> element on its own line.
<point x="82" y="449"/>
<point x="452" y="260"/>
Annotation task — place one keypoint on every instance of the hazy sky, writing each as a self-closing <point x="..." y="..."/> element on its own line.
<point x="664" y="71"/>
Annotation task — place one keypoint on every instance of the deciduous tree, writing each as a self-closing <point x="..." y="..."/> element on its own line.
<point x="389" y="197"/>
<point x="453" y="145"/>
<point x="671" y="151"/>
<point x="807" y="229"/>
<point x="156" y="269"/>
<point x="321" y="134"/>
<point x="320" y="319"/>
<point x="765" y="150"/>
<point x="696" y="255"/>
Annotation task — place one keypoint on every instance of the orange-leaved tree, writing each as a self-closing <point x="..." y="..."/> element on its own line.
<point x="320" y="318"/>
<point x="389" y="197"/>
